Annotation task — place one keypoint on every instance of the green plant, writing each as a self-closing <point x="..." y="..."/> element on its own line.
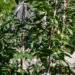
<point x="44" y="41"/>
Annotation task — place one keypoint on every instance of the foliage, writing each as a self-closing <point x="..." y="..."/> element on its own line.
<point x="40" y="36"/>
<point x="6" y="6"/>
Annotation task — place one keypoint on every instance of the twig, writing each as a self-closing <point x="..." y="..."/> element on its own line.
<point x="64" y="20"/>
<point x="23" y="35"/>
<point x="63" y="6"/>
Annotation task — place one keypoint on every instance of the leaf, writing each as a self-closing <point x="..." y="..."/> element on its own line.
<point x="29" y="56"/>
<point x="32" y="44"/>
<point x="56" y="25"/>
<point x="4" y="68"/>
<point x="13" y="65"/>
<point x="56" y="22"/>
<point x="52" y="20"/>
<point x="67" y="55"/>
<point x="70" y="31"/>
<point x="19" y="34"/>
<point x="64" y="62"/>
<point x="18" y="57"/>
<point x="22" y="72"/>
<point x="47" y="51"/>
<point x="56" y="57"/>
<point x="62" y="35"/>
<point x="70" y="20"/>
<point x="40" y="39"/>
<point x="17" y="1"/>
<point x="64" y="42"/>
<point x="36" y="68"/>
<point x="44" y="60"/>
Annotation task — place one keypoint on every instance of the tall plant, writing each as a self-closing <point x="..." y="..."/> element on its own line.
<point x="49" y="40"/>
<point x="43" y="44"/>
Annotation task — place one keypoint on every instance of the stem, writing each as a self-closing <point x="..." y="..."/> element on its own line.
<point x="22" y="49"/>
<point x="51" y="36"/>
<point x="63" y="6"/>
<point x="64" y="20"/>
<point x="59" y="67"/>
<point x="23" y="14"/>
<point x="48" y="68"/>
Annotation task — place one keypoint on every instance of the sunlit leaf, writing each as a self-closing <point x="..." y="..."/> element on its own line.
<point x="64" y="62"/>
<point x="29" y="56"/>
<point x="70" y="31"/>
<point x="18" y="56"/>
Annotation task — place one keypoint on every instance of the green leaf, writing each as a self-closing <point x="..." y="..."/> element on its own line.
<point x="44" y="60"/>
<point x="29" y="56"/>
<point x="47" y="51"/>
<point x="64" y="62"/>
<point x="36" y="68"/>
<point x="22" y="72"/>
<point x="4" y="68"/>
<point x="70" y="31"/>
<point x="52" y="20"/>
<point x="40" y="39"/>
<point x="65" y="42"/>
<point x="62" y="35"/>
<point x="56" y="57"/>
<point x="19" y="34"/>
<point x="18" y="57"/>
<point x="67" y="55"/>
<point x="70" y="20"/>
<point x="13" y="65"/>
<point x="56" y="23"/>
<point x="32" y="44"/>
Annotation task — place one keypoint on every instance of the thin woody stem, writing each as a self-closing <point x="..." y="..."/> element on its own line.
<point x="23" y="15"/>
<point x="63" y="6"/>
<point x="51" y="36"/>
<point x="64" y="20"/>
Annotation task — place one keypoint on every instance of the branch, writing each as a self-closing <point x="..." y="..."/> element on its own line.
<point x="63" y="6"/>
